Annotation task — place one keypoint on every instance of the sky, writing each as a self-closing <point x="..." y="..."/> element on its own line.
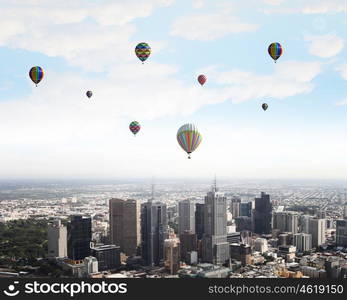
<point x="55" y="131"/>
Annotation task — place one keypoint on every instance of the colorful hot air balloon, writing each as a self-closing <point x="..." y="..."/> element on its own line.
<point x="264" y="106"/>
<point x="36" y="74"/>
<point x="275" y="50"/>
<point x="89" y="94"/>
<point x="134" y="127"/>
<point x="202" y="79"/>
<point x="189" y="138"/>
<point x="143" y="51"/>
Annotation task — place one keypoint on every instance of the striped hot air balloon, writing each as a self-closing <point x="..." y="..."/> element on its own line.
<point x="142" y="51"/>
<point x="275" y="50"/>
<point x="134" y="127"/>
<point x="36" y="74"/>
<point x="189" y="138"/>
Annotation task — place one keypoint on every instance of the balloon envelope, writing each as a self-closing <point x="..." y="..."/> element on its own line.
<point x="36" y="74"/>
<point x="202" y="79"/>
<point x="89" y="94"/>
<point x="189" y="138"/>
<point x="142" y="51"/>
<point x="275" y="50"/>
<point x="264" y="106"/>
<point x="134" y="127"/>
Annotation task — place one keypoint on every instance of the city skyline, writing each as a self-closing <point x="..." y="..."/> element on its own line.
<point x="54" y="131"/>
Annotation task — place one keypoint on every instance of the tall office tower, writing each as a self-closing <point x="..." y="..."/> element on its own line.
<point x="235" y="207"/>
<point x="79" y="237"/>
<point x="108" y="257"/>
<point x="243" y="223"/>
<point x="125" y="228"/>
<point x="260" y="245"/>
<point x="341" y="233"/>
<point x="57" y="239"/>
<point x="317" y="230"/>
<point x="286" y="221"/>
<point x="304" y="221"/>
<point x="186" y="216"/>
<point x="345" y="211"/>
<point x="189" y="243"/>
<point x="172" y="252"/>
<point x="262" y="214"/>
<point x="302" y="242"/>
<point x="215" y="248"/>
<point x="246" y="209"/>
<point x="153" y="232"/>
<point x="199" y="220"/>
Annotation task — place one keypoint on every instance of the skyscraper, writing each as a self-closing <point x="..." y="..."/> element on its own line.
<point x="172" y="252"/>
<point x="215" y="248"/>
<point x="245" y="209"/>
<point x="235" y="207"/>
<point x="57" y="239"/>
<point x="153" y="232"/>
<point x="303" y="242"/>
<point x="188" y="244"/>
<point x="79" y="237"/>
<point x="304" y="222"/>
<point x="125" y="225"/>
<point x="317" y="230"/>
<point x="286" y="221"/>
<point x="199" y="220"/>
<point x="186" y="216"/>
<point x="262" y="214"/>
<point x="341" y="233"/>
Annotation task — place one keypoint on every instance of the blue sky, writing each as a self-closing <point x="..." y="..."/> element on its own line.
<point x="54" y="131"/>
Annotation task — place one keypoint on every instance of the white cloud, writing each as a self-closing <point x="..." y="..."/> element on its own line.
<point x="87" y="34"/>
<point x="273" y="2"/>
<point x="341" y="103"/>
<point x="289" y="79"/>
<point x="308" y="7"/>
<point x="342" y="68"/>
<point x="325" y="6"/>
<point x="209" y="27"/>
<point x="198" y="3"/>
<point x="325" y="46"/>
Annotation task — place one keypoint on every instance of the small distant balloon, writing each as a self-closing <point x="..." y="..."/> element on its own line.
<point x="264" y="106"/>
<point x="89" y="94"/>
<point x="189" y="138"/>
<point x="135" y="127"/>
<point x="142" y="51"/>
<point x="202" y="79"/>
<point x="36" y="74"/>
<point x="275" y="50"/>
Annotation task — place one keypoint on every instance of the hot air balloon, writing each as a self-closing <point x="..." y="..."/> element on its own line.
<point x="89" y="94"/>
<point x="189" y="138"/>
<point x="36" y="74"/>
<point x="202" y="79"/>
<point x="265" y="106"/>
<point x="143" y="51"/>
<point x="134" y="127"/>
<point x="275" y="50"/>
